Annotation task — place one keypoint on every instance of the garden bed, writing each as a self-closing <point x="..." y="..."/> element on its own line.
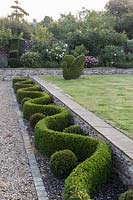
<point x="55" y="187"/>
<point x="52" y="140"/>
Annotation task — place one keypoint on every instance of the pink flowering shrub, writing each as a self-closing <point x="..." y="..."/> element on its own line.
<point x="90" y="61"/>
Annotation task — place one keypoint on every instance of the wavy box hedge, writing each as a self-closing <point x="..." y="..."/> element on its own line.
<point x="93" y="154"/>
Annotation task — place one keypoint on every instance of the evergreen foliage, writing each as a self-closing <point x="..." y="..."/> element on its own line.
<point x="72" y="67"/>
<point x="62" y="163"/>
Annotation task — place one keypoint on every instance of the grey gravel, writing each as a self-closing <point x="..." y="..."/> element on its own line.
<point x="16" y="182"/>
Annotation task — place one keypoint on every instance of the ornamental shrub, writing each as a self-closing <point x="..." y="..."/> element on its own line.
<point x="52" y="64"/>
<point x="14" y="54"/>
<point x="18" y="79"/>
<point x="128" y="195"/>
<point x="73" y="129"/>
<point x="35" y="118"/>
<point x="124" y="64"/>
<point x="31" y="107"/>
<point x="57" y="51"/>
<point x="22" y="93"/>
<point x="62" y="163"/>
<point x="112" y="54"/>
<point x="91" y="61"/>
<point x="24" y="100"/>
<point x="22" y="84"/>
<point x="79" y="50"/>
<point x="31" y="59"/>
<point x="14" y="63"/>
<point x="129" y="46"/>
<point x="72" y="67"/>
<point x="92" y="173"/>
<point x="129" y="57"/>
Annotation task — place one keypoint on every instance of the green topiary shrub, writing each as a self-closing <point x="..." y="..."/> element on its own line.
<point x="39" y="105"/>
<point x="24" y="100"/>
<point x="36" y="118"/>
<point x="80" y="195"/>
<point x="14" y="63"/>
<point x="95" y="167"/>
<point x="74" y="129"/>
<point x="23" y="84"/>
<point x="72" y="67"/>
<point x="24" y="92"/>
<point x="127" y="195"/>
<point x="14" y="44"/>
<point x="14" y="54"/>
<point x="62" y="163"/>
<point x="16" y="80"/>
<point x="79" y="50"/>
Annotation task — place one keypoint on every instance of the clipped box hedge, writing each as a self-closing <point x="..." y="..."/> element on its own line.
<point x="93" y="154"/>
<point x="26" y="83"/>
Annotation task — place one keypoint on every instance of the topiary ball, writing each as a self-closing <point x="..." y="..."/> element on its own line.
<point x="74" y="129"/>
<point x="62" y="163"/>
<point x="24" y="100"/>
<point x="128" y="195"/>
<point x="36" y="118"/>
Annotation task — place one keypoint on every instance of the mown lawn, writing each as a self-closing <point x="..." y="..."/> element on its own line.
<point x="110" y="97"/>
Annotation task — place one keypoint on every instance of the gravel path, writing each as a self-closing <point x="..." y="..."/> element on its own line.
<point x="16" y="181"/>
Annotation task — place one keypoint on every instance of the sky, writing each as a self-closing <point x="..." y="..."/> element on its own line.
<point x="40" y="8"/>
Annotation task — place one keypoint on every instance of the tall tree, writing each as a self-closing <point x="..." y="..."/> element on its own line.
<point x="41" y="35"/>
<point x="125" y="23"/>
<point x="18" y="12"/>
<point x="46" y="21"/>
<point x="65" y="25"/>
<point x="16" y="23"/>
<point x="118" y="8"/>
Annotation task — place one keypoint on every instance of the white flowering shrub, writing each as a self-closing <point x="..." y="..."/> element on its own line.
<point x="57" y="51"/>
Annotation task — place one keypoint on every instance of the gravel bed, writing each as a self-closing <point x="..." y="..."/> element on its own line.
<point x="55" y="187"/>
<point x="16" y="181"/>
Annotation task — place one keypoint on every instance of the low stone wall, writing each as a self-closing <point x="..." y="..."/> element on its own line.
<point x="9" y="73"/>
<point x="121" y="145"/>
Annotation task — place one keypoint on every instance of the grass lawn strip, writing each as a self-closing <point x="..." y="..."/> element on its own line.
<point x="110" y="97"/>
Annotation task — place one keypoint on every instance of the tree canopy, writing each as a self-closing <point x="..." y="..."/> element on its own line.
<point x="18" y="12"/>
<point x="119" y="8"/>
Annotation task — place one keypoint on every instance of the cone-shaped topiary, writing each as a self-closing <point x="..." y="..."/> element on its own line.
<point x="72" y="67"/>
<point x="62" y="163"/>
<point x="128" y="195"/>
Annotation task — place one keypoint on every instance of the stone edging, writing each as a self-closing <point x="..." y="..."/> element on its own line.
<point x="121" y="145"/>
<point x="37" y="178"/>
<point x="9" y="73"/>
